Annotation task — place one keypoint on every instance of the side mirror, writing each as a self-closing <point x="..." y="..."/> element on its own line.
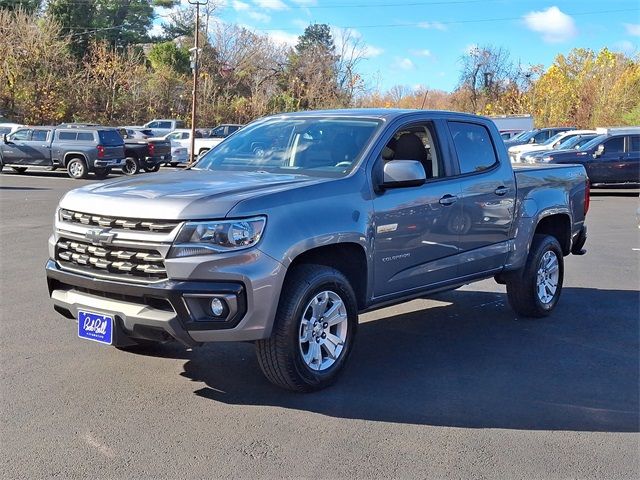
<point x="403" y="173"/>
<point x="5" y="139"/>
<point x="599" y="151"/>
<point x="532" y="140"/>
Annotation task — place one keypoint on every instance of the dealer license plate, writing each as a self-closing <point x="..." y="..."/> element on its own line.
<point x="96" y="327"/>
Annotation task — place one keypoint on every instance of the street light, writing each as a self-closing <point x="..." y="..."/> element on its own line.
<point x="194" y="66"/>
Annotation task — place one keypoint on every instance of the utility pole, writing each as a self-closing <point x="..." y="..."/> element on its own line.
<point x="194" y="66"/>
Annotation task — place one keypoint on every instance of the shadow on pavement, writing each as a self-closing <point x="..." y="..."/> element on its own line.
<point x="470" y="364"/>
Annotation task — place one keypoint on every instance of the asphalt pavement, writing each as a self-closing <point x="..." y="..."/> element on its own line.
<point x="451" y="387"/>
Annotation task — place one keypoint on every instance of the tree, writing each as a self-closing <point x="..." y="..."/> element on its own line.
<point x="169" y="55"/>
<point x="28" y="6"/>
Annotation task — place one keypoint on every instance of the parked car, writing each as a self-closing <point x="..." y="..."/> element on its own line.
<point x="573" y="143"/>
<point x="161" y="127"/>
<point x="537" y="136"/>
<point x="182" y="137"/>
<point x="509" y="134"/>
<point x="80" y="150"/>
<point x="516" y="152"/>
<point x="136" y="133"/>
<point x="147" y="154"/>
<point x="6" y="128"/>
<point x="610" y="159"/>
<point x="223" y="131"/>
<point x="346" y="211"/>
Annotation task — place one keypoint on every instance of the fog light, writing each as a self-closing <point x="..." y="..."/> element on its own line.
<point x="217" y="307"/>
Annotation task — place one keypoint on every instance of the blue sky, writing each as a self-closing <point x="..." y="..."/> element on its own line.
<point x="420" y="42"/>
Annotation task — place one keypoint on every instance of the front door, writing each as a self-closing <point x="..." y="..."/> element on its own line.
<point x="37" y="150"/>
<point x="416" y="228"/>
<point x="608" y="167"/>
<point x="13" y="151"/>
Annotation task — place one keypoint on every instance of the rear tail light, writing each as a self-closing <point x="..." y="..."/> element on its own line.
<point x="100" y="151"/>
<point x="152" y="149"/>
<point x="587" y="196"/>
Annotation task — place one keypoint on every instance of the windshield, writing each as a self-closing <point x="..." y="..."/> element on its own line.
<point x="526" y="135"/>
<point x="553" y="139"/>
<point x="325" y="146"/>
<point x="575" y="142"/>
<point x="594" y="142"/>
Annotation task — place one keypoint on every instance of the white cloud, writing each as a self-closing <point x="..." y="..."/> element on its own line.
<point x="156" y="30"/>
<point x="283" y="38"/>
<point x="259" y="17"/>
<point x="433" y="26"/>
<point x="421" y="53"/>
<point x="554" y="25"/>
<point x="404" y="64"/>
<point x="271" y="4"/>
<point x="239" y="6"/>
<point x="369" y="51"/>
<point x="305" y="3"/>
<point x="633" y="29"/>
<point x="625" y="46"/>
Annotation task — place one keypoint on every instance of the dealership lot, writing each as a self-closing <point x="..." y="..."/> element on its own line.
<point x="454" y="386"/>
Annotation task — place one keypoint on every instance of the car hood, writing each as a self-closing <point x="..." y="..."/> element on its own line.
<point x="187" y="194"/>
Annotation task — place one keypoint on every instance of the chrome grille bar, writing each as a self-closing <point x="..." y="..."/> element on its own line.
<point x="141" y="225"/>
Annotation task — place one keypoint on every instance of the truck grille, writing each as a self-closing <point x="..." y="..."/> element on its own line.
<point x="141" y="225"/>
<point x="135" y="264"/>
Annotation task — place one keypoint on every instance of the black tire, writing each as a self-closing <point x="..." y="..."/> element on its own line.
<point x="19" y="169"/>
<point x="155" y="168"/>
<point x="280" y="356"/>
<point x="131" y="166"/>
<point x="101" y="173"/>
<point x="77" y="168"/>
<point x="522" y="286"/>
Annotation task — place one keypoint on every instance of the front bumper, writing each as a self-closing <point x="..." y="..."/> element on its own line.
<point x="174" y="309"/>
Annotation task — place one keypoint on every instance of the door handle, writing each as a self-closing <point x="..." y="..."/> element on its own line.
<point x="500" y="191"/>
<point x="448" y="200"/>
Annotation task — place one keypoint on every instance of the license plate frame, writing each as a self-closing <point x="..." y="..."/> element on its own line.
<point x="95" y="326"/>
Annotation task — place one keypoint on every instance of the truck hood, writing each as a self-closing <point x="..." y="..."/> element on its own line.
<point x="182" y="195"/>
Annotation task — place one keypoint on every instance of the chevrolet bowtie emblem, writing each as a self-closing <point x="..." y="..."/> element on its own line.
<point x="99" y="236"/>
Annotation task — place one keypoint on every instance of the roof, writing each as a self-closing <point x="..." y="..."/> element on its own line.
<point x="618" y="130"/>
<point x="381" y="113"/>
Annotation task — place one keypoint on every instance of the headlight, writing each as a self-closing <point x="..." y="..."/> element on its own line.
<point x="217" y="236"/>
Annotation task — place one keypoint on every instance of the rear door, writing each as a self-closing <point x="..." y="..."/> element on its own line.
<point x="38" y="148"/>
<point x="487" y="195"/>
<point x="631" y="168"/>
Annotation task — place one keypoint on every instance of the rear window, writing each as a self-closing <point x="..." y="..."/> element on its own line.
<point x="110" y="137"/>
<point x="473" y="146"/>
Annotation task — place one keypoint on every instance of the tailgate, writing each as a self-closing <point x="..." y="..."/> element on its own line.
<point x="160" y="147"/>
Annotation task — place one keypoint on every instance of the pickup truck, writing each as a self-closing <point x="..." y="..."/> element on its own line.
<point x="182" y="138"/>
<point x="341" y="212"/>
<point x="147" y="154"/>
<point x="80" y="150"/>
<point x="161" y="127"/>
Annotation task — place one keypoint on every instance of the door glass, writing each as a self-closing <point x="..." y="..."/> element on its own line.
<point x="473" y="145"/>
<point x="416" y="142"/>
<point x="614" y="145"/>
<point x="21" y="135"/>
<point x="634" y="143"/>
<point x="85" y="136"/>
<point x="164" y="125"/>
<point x="67" y="135"/>
<point x="39" y="135"/>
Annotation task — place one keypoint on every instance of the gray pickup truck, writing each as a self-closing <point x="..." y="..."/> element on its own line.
<point x="340" y="212"/>
<point x="80" y="150"/>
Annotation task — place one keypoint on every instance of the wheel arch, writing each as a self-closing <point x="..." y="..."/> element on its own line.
<point x="557" y="225"/>
<point x="71" y="155"/>
<point x="349" y="258"/>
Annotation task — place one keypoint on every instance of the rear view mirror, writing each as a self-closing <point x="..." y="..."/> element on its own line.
<point x="403" y="173"/>
<point x="599" y="151"/>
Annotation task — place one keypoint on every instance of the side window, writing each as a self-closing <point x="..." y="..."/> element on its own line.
<point x="473" y="146"/>
<point x="233" y="128"/>
<point x="85" y="137"/>
<point x="174" y="136"/>
<point x="153" y="125"/>
<point x="542" y="136"/>
<point x="21" y="135"/>
<point x="179" y="124"/>
<point x="39" y="135"/>
<point x="218" y="132"/>
<point x="416" y="142"/>
<point x="164" y="125"/>
<point x="185" y="136"/>
<point x="67" y="135"/>
<point x="614" y="145"/>
<point x="634" y="143"/>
